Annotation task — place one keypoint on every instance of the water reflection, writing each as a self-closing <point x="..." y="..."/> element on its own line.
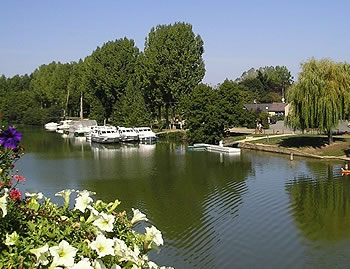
<point x="194" y="198"/>
<point x="320" y="204"/>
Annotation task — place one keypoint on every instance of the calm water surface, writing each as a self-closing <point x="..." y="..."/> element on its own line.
<point x="254" y="210"/>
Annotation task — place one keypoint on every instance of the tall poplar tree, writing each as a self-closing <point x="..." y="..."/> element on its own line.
<point x="173" y="63"/>
<point x="108" y="71"/>
<point x="321" y="96"/>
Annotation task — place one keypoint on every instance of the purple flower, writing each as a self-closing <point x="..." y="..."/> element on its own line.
<point x="10" y="138"/>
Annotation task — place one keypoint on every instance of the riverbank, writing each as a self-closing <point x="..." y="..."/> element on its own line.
<point x="313" y="146"/>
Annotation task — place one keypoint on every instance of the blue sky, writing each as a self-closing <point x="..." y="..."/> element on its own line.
<point x="237" y="35"/>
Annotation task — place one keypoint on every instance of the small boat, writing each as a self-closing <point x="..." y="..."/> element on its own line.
<point x="145" y="134"/>
<point x="105" y="134"/>
<point x="128" y="135"/>
<point x="345" y="171"/>
<point x="82" y="127"/>
<point x="51" y="126"/>
<point x="63" y="126"/>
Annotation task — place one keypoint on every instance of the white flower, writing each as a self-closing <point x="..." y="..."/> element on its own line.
<point x="115" y="266"/>
<point x="138" y="216"/>
<point x="103" y="246"/>
<point x="123" y="251"/>
<point x="83" y="264"/>
<point x="11" y="239"/>
<point x="35" y="195"/>
<point x="82" y="201"/>
<point x="105" y="222"/>
<point x="154" y="235"/>
<point x="166" y="267"/>
<point x="63" y="254"/>
<point x="152" y="265"/>
<point x="86" y="192"/>
<point x="3" y="204"/>
<point x="41" y="255"/>
<point x="99" y="265"/>
<point x="65" y="194"/>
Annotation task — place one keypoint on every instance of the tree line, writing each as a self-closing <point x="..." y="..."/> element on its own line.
<point x="122" y="85"/>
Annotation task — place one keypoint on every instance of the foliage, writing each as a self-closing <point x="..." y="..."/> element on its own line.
<point x="172" y="64"/>
<point x="321" y="96"/>
<point x="231" y="105"/>
<point x="203" y="115"/>
<point x="265" y="81"/>
<point x="131" y="110"/>
<point x="37" y="233"/>
<point x="108" y="71"/>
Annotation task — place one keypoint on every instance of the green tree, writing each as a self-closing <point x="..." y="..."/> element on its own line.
<point x="173" y="63"/>
<point x="77" y="89"/>
<point x="131" y="110"/>
<point x="50" y="84"/>
<point x="320" y="97"/>
<point x="108" y="71"/>
<point x="203" y="115"/>
<point x="231" y="105"/>
<point x="266" y="80"/>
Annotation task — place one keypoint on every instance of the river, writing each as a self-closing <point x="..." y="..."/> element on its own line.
<point x="253" y="210"/>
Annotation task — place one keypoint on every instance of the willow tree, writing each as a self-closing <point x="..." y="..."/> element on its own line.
<point x="320" y="98"/>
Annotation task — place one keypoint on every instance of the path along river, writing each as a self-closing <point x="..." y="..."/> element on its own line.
<point x="253" y="210"/>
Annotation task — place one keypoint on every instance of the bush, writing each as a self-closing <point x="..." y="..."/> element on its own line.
<point x="36" y="233"/>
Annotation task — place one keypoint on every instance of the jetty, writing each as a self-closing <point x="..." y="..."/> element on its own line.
<point x="215" y="148"/>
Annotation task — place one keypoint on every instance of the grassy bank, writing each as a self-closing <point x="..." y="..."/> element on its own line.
<point x="174" y="135"/>
<point x="311" y="144"/>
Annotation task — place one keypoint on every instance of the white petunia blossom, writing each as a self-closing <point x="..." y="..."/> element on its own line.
<point x="152" y="265"/>
<point x="154" y="235"/>
<point x="105" y="222"/>
<point x="124" y="252"/>
<point x="35" y="195"/>
<point x="138" y="216"/>
<point x="82" y="202"/>
<point x="3" y="204"/>
<point x="41" y="255"/>
<point x="65" y="194"/>
<point x="86" y="192"/>
<point x="83" y="264"/>
<point x="99" y="264"/>
<point x="11" y="239"/>
<point x="116" y="266"/>
<point x="63" y="254"/>
<point x="103" y="246"/>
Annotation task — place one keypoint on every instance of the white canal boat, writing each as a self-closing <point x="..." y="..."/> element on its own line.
<point x="145" y="134"/>
<point x="128" y="135"/>
<point x="105" y="134"/>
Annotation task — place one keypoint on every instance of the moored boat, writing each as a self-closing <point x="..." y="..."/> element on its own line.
<point x="63" y="126"/>
<point x="51" y="126"/>
<point x="128" y="135"/>
<point x="105" y="134"/>
<point x="145" y="134"/>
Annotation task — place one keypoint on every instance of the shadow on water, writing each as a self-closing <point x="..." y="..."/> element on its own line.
<point x="307" y="141"/>
<point x="320" y="207"/>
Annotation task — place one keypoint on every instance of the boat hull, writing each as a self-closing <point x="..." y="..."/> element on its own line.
<point x="105" y="140"/>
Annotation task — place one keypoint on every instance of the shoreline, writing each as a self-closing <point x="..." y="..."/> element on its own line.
<point x="283" y="150"/>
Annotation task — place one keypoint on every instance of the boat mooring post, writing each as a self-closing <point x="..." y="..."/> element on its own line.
<point x="291" y="156"/>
